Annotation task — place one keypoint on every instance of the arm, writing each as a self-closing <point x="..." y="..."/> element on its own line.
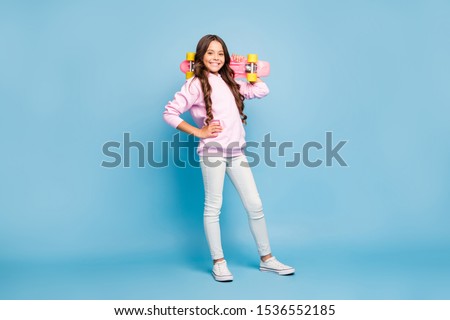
<point x="250" y="90"/>
<point x="206" y="132"/>
<point x="182" y="102"/>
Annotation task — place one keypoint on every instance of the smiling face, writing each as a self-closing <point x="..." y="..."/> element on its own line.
<point x="214" y="57"/>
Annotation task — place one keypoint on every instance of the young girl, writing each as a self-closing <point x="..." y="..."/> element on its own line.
<point x="215" y="101"/>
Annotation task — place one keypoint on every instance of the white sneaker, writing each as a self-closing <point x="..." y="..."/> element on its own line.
<point x="273" y="265"/>
<point x="220" y="271"/>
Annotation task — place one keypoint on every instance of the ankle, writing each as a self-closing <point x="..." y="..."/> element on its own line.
<point x="218" y="260"/>
<point x="266" y="257"/>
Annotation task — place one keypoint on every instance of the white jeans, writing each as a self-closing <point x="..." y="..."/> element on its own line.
<point x="213" y="171"/>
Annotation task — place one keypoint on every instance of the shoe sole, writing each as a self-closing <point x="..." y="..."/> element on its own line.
<point x="280" y="272"/>
<point x="222" y="278"/>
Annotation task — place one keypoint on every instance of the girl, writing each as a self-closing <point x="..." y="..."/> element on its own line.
<point x="215" y="101"/>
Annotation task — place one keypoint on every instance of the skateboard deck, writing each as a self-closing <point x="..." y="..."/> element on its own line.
<point x="249" y="68"/>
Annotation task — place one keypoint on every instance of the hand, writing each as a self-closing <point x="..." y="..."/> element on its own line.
<point x="237" y="58"/>
<point x="210" y="131"/>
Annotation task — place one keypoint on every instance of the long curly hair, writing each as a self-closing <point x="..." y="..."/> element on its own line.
<point x="227" y="74"/>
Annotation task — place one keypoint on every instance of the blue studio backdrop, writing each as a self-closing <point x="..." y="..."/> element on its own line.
<point x="82" y="89"/>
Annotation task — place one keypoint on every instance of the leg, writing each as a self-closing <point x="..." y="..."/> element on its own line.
<point x="213" y="178"/>
<point x="242" y="178"/>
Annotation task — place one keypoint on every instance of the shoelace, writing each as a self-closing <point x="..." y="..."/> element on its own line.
<point x="222" y="265"/>
<point x="276" y="263"/>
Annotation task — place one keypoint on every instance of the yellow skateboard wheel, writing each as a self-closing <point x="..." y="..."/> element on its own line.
<point x="252" y="77"/>
<point x="252" y="58"/>
<point x="190" y="56"/>
<point x="189" y="74"/>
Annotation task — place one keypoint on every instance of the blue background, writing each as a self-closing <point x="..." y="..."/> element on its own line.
<point x="75" y="75"/>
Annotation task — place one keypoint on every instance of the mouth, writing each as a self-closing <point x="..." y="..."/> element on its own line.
<point x="214" y="66"/>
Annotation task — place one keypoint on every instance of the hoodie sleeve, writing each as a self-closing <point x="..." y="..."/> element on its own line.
<point x="255" y="90"/>
<point x="182" y="102"/>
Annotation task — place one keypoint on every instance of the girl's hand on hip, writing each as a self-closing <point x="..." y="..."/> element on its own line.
<point x="210" y="131"/>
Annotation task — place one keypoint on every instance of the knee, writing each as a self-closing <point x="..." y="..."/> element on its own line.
<point x="254" y="208"/>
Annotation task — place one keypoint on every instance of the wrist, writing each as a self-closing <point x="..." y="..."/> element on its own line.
<point x="196" y="132"/>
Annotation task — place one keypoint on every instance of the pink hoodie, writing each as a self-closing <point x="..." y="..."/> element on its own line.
<point x="231" y="141"/>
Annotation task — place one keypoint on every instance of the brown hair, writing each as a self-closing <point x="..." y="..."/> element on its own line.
<point x="227" y="74"/>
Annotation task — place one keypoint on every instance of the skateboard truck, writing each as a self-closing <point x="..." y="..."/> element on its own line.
<point x="190" y="56"/>
<point x="251" y="67"/>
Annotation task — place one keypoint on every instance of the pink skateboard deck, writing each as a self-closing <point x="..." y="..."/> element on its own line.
<point x="241" y="69"/>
